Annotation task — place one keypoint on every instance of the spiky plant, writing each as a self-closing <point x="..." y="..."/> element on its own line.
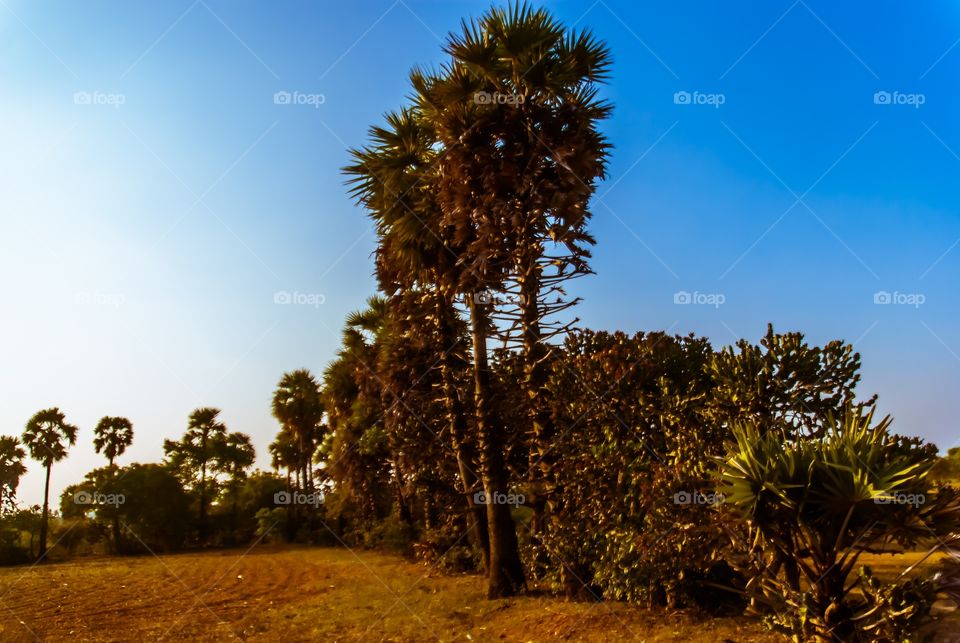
<point x="822" y="502"/>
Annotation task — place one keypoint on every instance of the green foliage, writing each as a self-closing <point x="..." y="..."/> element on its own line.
<point x="896" y="610"/>
<point x="947" y="468"/>
<point x="630" y="416"/>
<point x="785" y="383"/>
<point x="147" y="500"/>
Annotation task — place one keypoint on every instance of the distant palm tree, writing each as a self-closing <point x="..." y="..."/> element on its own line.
<point x="299" y="409"/>
<point x="195" y="452"/>
<point x="47" y="436"/>
<point x="11" y="469"/>
<point x="112" y="436"/>
<point x="284" y="454"/>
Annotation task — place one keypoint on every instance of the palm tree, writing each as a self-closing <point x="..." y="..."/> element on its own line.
<point x="539" y="155"/>
<point x="47" y="436"/>
<point x="393" y="178"/>
<point x="284" y="454"/>
<point x="299" y="409"/>
<point x="11" y="469"/>
<point x="112" y="436"/>
<point x="195" y="451"/>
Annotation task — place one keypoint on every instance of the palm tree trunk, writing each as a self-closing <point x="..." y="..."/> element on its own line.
<point x="404" y="509"/>
<point x="505" y="577"/>
<point x="203" y="503"/>
<point x="43" y="518"/>
<point x="476" y="516"/>
<point x="535" y="354"/>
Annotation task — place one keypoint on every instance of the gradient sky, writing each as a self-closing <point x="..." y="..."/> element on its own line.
<point x="155" y="198"/>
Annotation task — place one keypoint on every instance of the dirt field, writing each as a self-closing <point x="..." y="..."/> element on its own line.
<point x="298" y="594"/>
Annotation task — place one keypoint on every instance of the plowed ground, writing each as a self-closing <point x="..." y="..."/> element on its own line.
<point x="274" y="593"/>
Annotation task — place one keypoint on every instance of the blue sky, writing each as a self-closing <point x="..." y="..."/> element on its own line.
<point x="155" y="198"/>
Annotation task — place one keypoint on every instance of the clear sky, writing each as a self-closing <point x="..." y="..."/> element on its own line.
<point x="155" y="198"/>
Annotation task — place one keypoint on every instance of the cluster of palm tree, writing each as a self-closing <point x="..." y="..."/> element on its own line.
<point x="484" y="203"/>
<point x="205" y="450"/>
<point x="47" y="437"/>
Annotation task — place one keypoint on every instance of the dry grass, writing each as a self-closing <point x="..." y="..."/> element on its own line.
<point x="298" y="594"/>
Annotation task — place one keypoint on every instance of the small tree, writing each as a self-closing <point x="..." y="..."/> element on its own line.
<point x="47" y="436"/>
<point x="821" y="503"/>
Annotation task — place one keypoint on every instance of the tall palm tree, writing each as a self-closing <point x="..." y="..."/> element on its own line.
<point x="47" y="436"/>
<point x="11" y="469"/>
<point x="516" y="111"/>
<point x="195" y="452"/>
<point x="298" y="407"/>
<point x="112" y="436"/>
<point x="393" y="178"/>
<point x="538" y="152"/>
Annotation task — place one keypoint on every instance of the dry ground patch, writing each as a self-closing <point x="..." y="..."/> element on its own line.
<point x="296" y="594"/>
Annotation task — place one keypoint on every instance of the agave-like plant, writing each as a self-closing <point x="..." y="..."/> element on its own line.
<point x="817" y="504"/>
